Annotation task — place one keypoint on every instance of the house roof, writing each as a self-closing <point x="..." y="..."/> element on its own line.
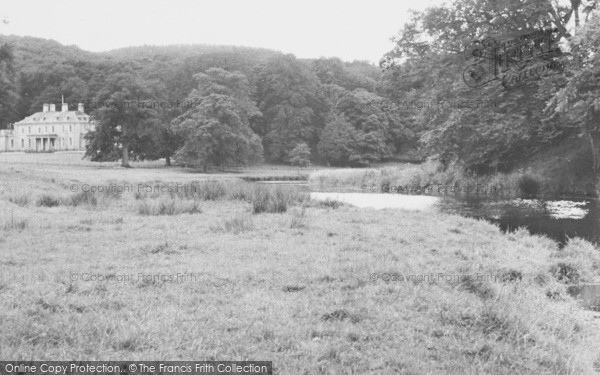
<point x="55" y="117"/>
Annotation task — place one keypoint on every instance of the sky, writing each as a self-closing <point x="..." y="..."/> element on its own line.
<point x="350" y="30"/>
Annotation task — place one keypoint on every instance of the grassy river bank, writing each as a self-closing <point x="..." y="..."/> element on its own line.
<point x="232" y="270"/>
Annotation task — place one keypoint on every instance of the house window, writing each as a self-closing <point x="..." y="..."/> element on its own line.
<point x="12" y="143"/>
<point x="53" y="129"/>
<point x="29" y="130"/>
<point x="29" y="142"/>
<point x="39" y="129"/>
<point x="70" y="141"/>
<point x="22" y="130"/>
<point x="22" y="143"/>
<point x="70" y="128"/>
<point x="46" y="128"/>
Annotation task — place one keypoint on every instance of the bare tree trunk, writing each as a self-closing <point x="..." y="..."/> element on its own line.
<point x="168" y="161"/>
<point x="593" y="118"/>
<point x="595" y="159"/>
<point x="596" y="162"/>
<point x="575" y="7"/>
<point x="125" y="159"/>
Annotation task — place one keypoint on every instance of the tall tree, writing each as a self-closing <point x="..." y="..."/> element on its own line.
<point x="497" y="127"/>
<point x="8" y="94"/>
<point x="576" y="98"/>
<point x="338" y="143"/>
<point x="287" y="97"/>
<point x="123" y="123"/>
<point x="217" y="131"/>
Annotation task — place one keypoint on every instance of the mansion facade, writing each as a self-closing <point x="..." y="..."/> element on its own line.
<point x="49" y="130"/>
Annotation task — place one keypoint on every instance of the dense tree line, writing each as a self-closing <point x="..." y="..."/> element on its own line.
<point x="235" y="105"/>
<point x="428" y="64"/>
<point x="245" y="104"/>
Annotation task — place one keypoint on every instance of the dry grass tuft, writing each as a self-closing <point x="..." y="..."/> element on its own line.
<point x="239" y="223"/>
<point x="167" y="206"/>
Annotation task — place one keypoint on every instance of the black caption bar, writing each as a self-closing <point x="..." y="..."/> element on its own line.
<point x="136" y="367"/>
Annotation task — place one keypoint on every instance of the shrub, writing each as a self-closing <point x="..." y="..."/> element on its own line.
<point x="237" y="224"/>
<point x="578" y="261"/>
<point x="93" y="198"/>
<point x="567" y="273"/>
<point x="331" y="203"/>
<point x="13" y="223"/>
<point x="241" y="191"/>
<point x="20" y="199"/>
<point x="528" y="186"/>
<point x="299" y="220"/>
<point x="300" y="155"/>
<point x="47" y="200"/>
<point x="275" y="199"/>
<point x="209" y="191"/>
<point x="167" y="206"/>
<point x="262" y="202"/>
<point x="83" y="197"/>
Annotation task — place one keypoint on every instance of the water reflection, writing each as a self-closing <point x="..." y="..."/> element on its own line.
<point x="558" y="219"/>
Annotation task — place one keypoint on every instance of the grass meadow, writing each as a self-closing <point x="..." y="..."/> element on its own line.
<point x="231" y="270"/>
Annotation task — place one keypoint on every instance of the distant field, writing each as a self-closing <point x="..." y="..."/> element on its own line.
<point x="62" y="165"/>
<point x="246" y="271"/>
<point x="56" y="158"/>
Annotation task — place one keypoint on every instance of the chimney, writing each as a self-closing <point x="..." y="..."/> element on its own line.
<point x="80" y="108"/>
<point x="45" y="108"/>
<point x="52" y="108"/>
<point x="65" y="107"/>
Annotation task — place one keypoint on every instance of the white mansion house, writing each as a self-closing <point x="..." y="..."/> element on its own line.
<point x="48" y="130"/>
